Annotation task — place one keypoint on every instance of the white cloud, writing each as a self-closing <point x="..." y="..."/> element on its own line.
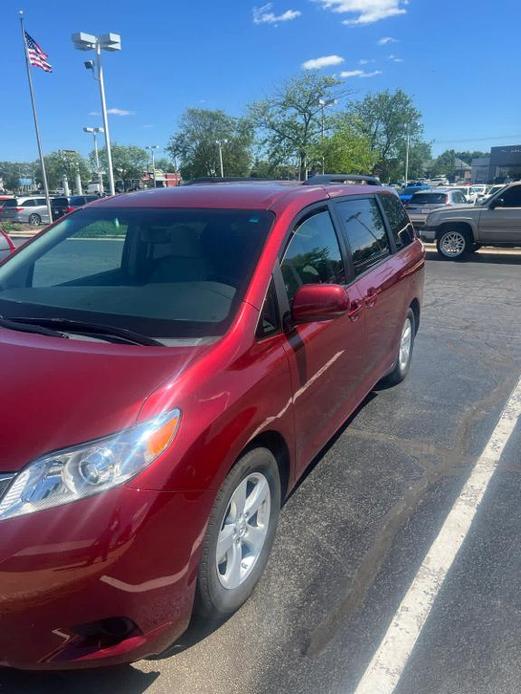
<point x="324" y="61"/>
<point x="265" y="15"/>
<point x="346" y="74"/>
<point x="119" y="112"/>
<point x="366" y="11"/>
<point x="386" y="40"/>
<point x="94" y="113"/>
<point x="364" y="61"/>
<point x="395" y="59"/>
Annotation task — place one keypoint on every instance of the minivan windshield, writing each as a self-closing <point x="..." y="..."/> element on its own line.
<point x="164" y="273"/>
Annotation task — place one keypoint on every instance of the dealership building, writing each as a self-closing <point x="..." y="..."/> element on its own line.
<point x="502" y="165"/>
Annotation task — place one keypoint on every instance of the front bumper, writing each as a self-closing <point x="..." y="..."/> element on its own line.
<point x="101" y="581"/>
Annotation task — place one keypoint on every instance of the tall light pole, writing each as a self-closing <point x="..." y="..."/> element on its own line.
<point x="323" y="103"/>
<point x="152" y="149"/>
<point x="94" y="132"/>
<point x="220" y="144"/>
<point x="407" y="157"/>
<point x="105" y="42"/>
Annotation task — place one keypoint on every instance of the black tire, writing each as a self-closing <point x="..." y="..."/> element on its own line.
<point x="454" y="243"/>
<point x="213" y="600"/>
<point x="400" y="370"/>
<point x="35" y="220"/>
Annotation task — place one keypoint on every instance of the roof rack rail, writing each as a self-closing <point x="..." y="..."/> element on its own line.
<point x="226" y="179"/>
<point x="325" y="179"/>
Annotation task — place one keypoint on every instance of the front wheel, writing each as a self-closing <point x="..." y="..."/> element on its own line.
<point x="240" y="534"/>
<point x="454" y="244"/>
<point x="403" y="361"/>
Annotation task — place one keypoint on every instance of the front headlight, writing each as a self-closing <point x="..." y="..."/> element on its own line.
<point x="74" y="473"/>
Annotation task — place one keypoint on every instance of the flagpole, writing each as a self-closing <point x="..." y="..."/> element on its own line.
<point x="35" y="116"/>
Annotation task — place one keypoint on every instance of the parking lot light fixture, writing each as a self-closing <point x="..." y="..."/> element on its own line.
<point x="94" y="132"/>
<point x="220" y="144"/>
<point x="106" y="42"/>
<point x="152" y="149"/>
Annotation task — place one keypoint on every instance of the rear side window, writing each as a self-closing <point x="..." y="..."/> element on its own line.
<point x="59" y="202"/>
<point x="11" y="203"/>
<point x="365" y="232"/>
<point x="313" y="255"/>
<point x="401" y="227"/>
<point x="28" y="203"/>
<point x="77" y="200"/>
<point x="429" y="199"/>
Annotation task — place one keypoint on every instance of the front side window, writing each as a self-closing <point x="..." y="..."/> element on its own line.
<point x="29" y="203"/>
<point x="313" y="255"/>
<point x="365" y="232"/>
<point x="511" y="197"/>
<point x="167" y="273"/>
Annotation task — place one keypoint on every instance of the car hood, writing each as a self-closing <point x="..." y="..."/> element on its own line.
<point x="57" y="393"/>
<point x="459" y="211"/>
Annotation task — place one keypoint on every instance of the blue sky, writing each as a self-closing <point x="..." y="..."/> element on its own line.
<point x="458" y="59"/>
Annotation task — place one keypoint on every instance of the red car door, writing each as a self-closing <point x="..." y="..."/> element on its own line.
<point x="325" y="357"/>
<point x="379" y="279"/>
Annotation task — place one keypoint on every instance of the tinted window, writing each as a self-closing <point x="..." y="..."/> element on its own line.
<point x="77" y="200"/>
<point x="313" y="255"/>
<point x="166" y="273"/>
<point x="11" y="203"/>
<point x="429" y="199"/>
<point x="511" y="197"/>
<point x="269" y="316"/>
<point x="401" y="227"/>
<point x="365" y="231"/>
<point x="59" y="202"/>
<point x="28" y="203"/>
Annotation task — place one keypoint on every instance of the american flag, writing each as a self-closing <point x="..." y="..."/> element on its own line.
<point x="35" y="54"/>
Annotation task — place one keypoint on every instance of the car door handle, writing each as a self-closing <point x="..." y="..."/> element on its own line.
<point x="355" y="310"/>
<point x="371" y="297"/>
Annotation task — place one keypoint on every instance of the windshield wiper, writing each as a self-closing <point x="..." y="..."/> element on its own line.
<point x="28" y="327"/>
<point x="104" y="332"/>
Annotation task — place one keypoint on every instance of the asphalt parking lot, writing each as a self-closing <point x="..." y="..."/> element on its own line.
<point x="356" y="530"/>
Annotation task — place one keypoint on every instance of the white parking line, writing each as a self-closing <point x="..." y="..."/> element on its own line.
<point x="386" y="667"/>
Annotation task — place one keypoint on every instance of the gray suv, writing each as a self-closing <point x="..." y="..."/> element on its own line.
<point x="25" y="210"/>
<point x="459" y="231"/>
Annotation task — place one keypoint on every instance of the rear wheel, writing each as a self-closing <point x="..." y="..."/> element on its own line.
<point x="35" y="220"/>
<point x="403" y="361"/>
<point x="240" y="533"/>
<point x="454" y="244"/>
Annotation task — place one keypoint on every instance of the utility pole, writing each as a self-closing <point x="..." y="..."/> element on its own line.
<point x="407" y="157"/>
<point x="220" y="144"/>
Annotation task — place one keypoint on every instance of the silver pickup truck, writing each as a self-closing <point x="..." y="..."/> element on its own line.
<point x="459" y="231"/>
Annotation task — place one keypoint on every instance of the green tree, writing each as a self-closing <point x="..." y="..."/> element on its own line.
<point x="164" y="164"/>
<point x="12" y="171"/>
<point x="195" y="144"/>
<point x="290" y="124"/>
<point x="63" y="163"/>
<point x="445" y="164"/>
<point x="386" y="119"/>
<point x="129" y="163"/>
<point x="345" y="150"/>
<point x="467" y="156"/>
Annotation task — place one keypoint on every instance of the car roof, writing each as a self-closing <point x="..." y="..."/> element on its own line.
<point x="269" y="195"/>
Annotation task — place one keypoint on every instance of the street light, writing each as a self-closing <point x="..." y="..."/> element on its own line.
<point x="407" y="155"/>
<point x="94" y="132"/>
<point x="105" y="42"/>
<point x="220" y="144"/>
<point x="152" y="153"/>
<point x="323" y="103"/>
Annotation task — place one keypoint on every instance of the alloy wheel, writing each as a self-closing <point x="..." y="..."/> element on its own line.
<point x="405" y="345"/>
<point x="453" y="244"/>
<point x="243" y="530"/>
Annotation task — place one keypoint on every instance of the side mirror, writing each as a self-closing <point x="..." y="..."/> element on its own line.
<point x="319" y="302"/>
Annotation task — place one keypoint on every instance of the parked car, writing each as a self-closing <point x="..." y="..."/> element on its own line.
<point x="492" y="190"/>
<point x="440" y="181"/>
<point x="4" y="199"/>
<point x="6" y="245"/>
<point x="476" y="193"/>
<point x="407" y="193"/>
<point x="68" y="203"/>
<point x="164" y="392"/>
<point x="460" y="231"/>
<point x="25" y="210"/>
<point x="422" y="204"/>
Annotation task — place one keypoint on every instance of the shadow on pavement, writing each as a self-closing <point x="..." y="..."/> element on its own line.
<point x="102" y="681"/>
<point x="488" y="257"/>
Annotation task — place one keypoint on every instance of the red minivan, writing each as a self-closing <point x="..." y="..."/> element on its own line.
<point x="171" y="361"/>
